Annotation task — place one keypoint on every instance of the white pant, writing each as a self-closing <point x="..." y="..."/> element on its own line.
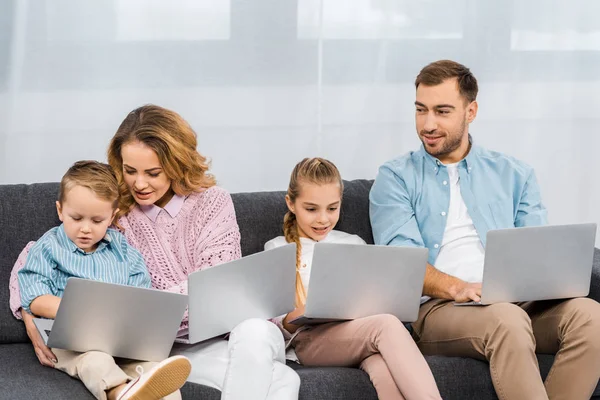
<point x="250" y="366"/>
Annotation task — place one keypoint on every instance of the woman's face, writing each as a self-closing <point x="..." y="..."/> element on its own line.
<point x="144" y="175"/>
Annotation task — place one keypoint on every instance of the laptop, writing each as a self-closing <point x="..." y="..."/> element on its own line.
<point x="119" y="320"/>
<point x="349" y="281"/>
<point x="262" y="285"/>
<point x="537" y="263"/>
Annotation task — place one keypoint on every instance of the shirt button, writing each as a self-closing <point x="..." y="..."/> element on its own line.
<point x="445" y="182"/>
<point x="435" y="169"/>
<point x="436" y="245"/>
<point x="443" y="213"/>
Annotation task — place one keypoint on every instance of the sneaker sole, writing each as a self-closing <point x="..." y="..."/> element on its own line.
<point x="166" y="380"/>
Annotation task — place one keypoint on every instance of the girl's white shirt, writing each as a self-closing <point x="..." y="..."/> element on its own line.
<point x="308" y="248"/>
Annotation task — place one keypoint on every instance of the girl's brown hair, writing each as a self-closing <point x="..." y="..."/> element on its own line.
<point x="310" y="170"/>
<point x="174" y="142"/>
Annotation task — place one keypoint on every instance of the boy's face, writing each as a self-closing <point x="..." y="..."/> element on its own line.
<point x="85" y="217"/>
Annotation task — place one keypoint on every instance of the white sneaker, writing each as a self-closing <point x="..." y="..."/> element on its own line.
<point x="162" y="380"/>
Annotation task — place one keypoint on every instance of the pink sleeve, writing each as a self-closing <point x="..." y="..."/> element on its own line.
<point x="216" y="236"/>
<point x="15" y="293"/>
<point x="219" y="234"/>
<point x="279" y="322"/>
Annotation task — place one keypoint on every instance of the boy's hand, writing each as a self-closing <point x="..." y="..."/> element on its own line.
<point x="45" y="306"/>
<point x="43" y="352"/>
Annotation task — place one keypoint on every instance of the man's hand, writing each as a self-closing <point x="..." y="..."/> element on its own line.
<point x="43" y="352"/>
<point x="465" y="291"/>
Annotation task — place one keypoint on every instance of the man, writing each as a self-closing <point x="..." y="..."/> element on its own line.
<point x="446" y="197"/>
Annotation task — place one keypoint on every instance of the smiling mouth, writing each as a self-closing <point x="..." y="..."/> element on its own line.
<point x="320" y="229"/>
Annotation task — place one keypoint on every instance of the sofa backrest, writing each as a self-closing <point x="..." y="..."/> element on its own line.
<point x="260" y="215"/>
<point x="28" y="211"/>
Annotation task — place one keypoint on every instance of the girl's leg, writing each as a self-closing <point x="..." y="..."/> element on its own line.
<point x="381" y="377"/>
<point x="257" y="369"/>
<point x="349" y="343"/>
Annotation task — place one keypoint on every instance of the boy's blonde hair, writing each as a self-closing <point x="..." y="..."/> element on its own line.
<point x="174" y="142"/>
<point x="96" y="176"/>
<point x="312" y="170"/>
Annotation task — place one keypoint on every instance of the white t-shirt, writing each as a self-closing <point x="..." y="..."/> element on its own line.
<point x="462" y="253"/>
<point x="308" y="248"/>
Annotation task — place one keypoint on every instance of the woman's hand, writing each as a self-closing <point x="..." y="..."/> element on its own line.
<point x="43" y="352"/>
<point x="298" y="312"/>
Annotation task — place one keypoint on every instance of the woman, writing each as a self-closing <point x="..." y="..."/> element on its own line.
<point x="181" y="222"/>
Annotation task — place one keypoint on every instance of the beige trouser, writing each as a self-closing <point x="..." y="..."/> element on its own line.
<point x="99" y="371"/>
<point x="508" y="336"/>
<point x="381" y="345"/>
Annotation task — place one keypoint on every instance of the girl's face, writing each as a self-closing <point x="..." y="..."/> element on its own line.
<point x="317" y="209"/>
<point x="144" y="176"/>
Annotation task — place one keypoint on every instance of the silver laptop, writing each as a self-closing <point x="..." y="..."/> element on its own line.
<point x="261" y="285"/>
<point x="349" y="281"/>
<point x="122" y="321"/>
<point x="537" y="263"/>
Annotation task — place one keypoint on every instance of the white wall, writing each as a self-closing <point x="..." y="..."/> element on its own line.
<point x="266" y="83"/>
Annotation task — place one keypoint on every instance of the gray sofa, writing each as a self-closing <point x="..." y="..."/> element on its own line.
<point x="27" y="211"/>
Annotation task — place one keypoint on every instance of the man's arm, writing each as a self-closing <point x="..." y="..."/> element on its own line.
<point x="439" y="285"/>
<point x="394" y="224"/>
<point x="531" y="211"/>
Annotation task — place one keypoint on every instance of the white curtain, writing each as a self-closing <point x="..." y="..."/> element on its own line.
<point x="268" y="82"/>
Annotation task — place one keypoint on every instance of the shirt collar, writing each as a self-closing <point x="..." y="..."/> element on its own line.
<point x="72" y="247"/>
<point x="469" y="160"/>
<point x="173" y="208"/>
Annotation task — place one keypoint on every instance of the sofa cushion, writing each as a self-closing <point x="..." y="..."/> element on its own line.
<point x="457" y="378"/>
<point x="260" y="214"/>
<point x="25" y="378"/>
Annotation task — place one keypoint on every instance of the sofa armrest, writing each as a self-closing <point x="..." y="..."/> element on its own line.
<point x="595" y="284"/>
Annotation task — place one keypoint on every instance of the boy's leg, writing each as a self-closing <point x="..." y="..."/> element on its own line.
<point x="98" y="371"/>
<point x="153" y="380"/>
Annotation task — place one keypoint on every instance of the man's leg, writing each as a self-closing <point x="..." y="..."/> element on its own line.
<point x="500" y="333"/>
<point x="571" y="329"/>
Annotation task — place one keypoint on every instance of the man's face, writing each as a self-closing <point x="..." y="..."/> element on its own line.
<point x="442" y="117"/>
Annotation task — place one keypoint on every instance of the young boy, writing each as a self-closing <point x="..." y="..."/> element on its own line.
<point x="83" y="246"/>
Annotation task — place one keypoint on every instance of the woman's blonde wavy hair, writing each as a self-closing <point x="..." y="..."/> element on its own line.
<point x="310" y="170"/>
<point x="174" y="142"/>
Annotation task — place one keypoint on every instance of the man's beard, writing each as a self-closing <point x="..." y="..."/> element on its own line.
<point x="451" y="142"/>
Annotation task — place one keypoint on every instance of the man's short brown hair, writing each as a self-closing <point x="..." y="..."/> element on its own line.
<point x="439" y="71"/>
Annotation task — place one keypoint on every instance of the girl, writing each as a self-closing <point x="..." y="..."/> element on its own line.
<point x="380" y="344"/>
<point x="180" y="221"/>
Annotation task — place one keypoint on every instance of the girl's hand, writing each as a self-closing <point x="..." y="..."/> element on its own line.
<point x="298" y="312"/>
